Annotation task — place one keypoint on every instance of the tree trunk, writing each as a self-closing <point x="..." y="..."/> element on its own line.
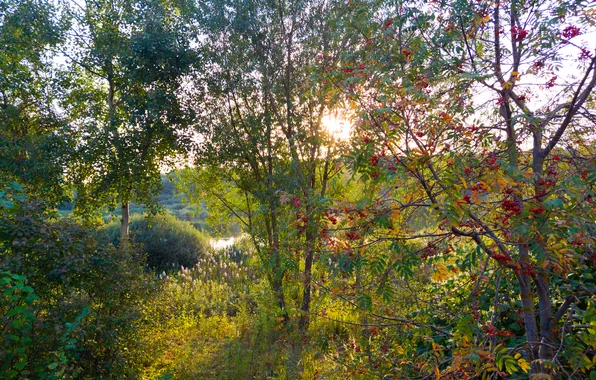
<point x="277" y="285"/>
<point x="545" y="313"/>
<point x="306" y="296"/>
<point x="124" y="223"/>
<point x="277" y="282"/>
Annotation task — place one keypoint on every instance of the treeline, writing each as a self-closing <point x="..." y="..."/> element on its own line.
<point x="170" y="200"/>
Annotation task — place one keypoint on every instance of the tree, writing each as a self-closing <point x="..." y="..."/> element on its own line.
<point x="33" y="149"/>
<point x="451" y="117"/>
<point x="263" y="141"/>
<point x="126" y="100"/>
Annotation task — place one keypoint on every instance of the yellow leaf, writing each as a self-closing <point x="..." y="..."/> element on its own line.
<point x="500" y="182"/>
<point x="523" y="364"/>
<point x="394" y="216"/>
<point x="489" y="367"/>
<point x="483" y="185"/>
<point x="482" y="353"/>
<point x="446" y="117"/>
<point x="464" y="182"/>
<point x="409" y="196"/>
<point x="441" y="274"/>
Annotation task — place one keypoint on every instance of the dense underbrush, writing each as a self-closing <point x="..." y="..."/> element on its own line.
<point x="73" y="306"/>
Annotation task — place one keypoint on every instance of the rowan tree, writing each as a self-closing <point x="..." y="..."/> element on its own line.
<point x="473" y="125"/>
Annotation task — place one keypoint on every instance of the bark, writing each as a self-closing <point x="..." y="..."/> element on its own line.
<point x="279" y="294"/>
<point x="528" y="310"/>
<point x="311" y="240"/>
<point x="545" y="313"/>
<point x="125" y="222"/>
<point x="307" y="281"/>
<point x="545" y="309"/>
<point x="277" y="281"/>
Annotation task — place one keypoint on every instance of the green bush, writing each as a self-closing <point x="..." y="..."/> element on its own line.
<point x="20" y="354"/>
<point x="77" y="312"/>
<point x="168" y="242"/>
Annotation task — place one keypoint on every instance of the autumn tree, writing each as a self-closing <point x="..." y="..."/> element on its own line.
<point x="473" y="122"/>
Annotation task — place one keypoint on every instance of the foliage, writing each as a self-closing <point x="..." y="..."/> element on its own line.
<point x="260" y="115"/>
<point x="467" y="187"/>
<point x="451" y="237"/>
<point x="169" y="201"/>
<point x="168" y="242"/>
<point x="32" y="144"/>
<point x="221" y="325"/>
<point x="18" y="316"/>
<point x="128" y="63"/>
<point x="75" y="315"/>
<point x="175" y="203"/>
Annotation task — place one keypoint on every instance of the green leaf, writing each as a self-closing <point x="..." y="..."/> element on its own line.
<point x="552" y="204"/>
<point x="21" y="365"/>
<point x="365" y="302"/>
<point x="31" y="298"/>
<point x="27" y="289"/>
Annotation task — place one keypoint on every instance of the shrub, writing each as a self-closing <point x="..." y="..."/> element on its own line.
<point x="168" y="242"/>
<point x="75" y="314"/>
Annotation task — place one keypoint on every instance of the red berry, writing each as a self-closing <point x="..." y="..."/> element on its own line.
<point x="570" y="32"/>
<point x="518" y="34"/>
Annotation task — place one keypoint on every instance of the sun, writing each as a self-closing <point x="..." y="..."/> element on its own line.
<point x="338" y="127"/>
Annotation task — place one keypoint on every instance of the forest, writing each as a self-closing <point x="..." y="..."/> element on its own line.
<point x="297" y="189"/>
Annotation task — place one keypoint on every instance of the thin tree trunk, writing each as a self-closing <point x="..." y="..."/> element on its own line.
<point x="545" y="309"/>
<point x="277" y="282"/>
<point x="528" y="309"/>
<point x="124" y="223"/>
<point x="311" y="240"/>
<point x="307" y="282"/>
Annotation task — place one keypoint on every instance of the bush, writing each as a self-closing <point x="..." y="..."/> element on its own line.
<point x="168" y="242"/>
<point x="76" y="314"/>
